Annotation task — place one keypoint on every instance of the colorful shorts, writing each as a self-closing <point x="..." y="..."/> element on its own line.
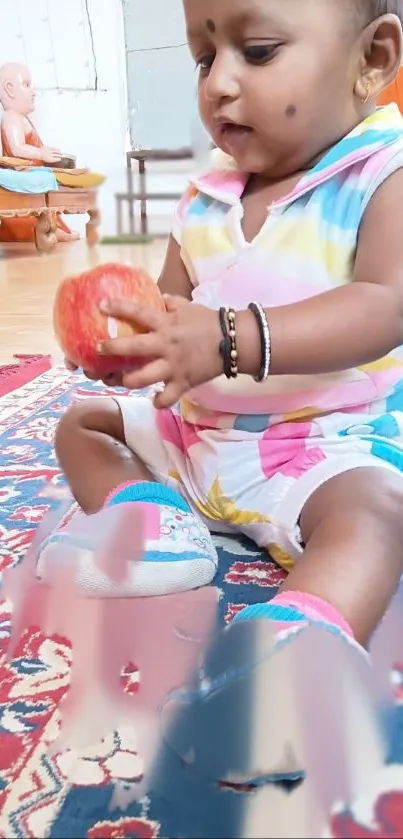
<point x="257" y="483"/>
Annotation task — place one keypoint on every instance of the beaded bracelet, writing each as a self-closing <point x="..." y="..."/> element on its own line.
<point x="265" y="341"/>
<point x="228" y="348"/>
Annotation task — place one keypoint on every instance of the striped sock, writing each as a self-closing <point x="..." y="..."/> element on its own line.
<point x="119" y="492"/>
<point x="292" y="611"/>
<point x="152" y="496"/>
<point x="150" y="492"/>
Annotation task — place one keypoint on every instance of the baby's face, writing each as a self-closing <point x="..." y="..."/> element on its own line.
<point x="276" y="78"/>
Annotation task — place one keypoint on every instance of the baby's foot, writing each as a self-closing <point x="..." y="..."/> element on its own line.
<point x="179" y="554"/>
<point x="268" y="705"/>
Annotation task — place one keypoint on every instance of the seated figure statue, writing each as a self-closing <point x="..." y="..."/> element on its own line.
<point x="20" y="139"/>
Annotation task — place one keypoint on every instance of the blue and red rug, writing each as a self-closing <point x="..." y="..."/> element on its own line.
<point x="58" y="797"/>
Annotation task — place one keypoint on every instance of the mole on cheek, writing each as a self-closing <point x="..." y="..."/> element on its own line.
<point x="210" y="26"/>
<point x="290" y="111"/>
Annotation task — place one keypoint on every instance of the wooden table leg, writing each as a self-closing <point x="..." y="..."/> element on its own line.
<point x="92" y="227"/>
<point x="119" y="218"/>
<point x="143" y="200"/>
<point x="45" y="235"/>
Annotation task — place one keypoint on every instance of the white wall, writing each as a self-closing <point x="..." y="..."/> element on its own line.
<point x="91" y="124"/>
<point x="162" y="94"/>
<point x="67" y="46"/>
<point x="162" y="81"/>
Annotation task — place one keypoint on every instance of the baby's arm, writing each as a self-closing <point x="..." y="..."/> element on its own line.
<point x="348" y="326"/>
<point x="174" y="278"/>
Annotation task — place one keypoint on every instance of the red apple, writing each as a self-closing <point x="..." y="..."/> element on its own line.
<point x="80" y="325"/>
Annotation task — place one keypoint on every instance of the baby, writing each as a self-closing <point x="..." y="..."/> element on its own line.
<point x="280" y="353"/>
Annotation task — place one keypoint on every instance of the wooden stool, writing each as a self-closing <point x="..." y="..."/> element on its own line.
<point x="75" y="201"/>
<point x="44" y="206"/>
<point x="142" y="157"/>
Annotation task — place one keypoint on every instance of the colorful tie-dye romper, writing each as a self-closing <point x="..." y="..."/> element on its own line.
<point x="248" y="456"/>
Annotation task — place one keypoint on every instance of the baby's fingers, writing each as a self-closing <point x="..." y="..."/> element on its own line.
<point x="168" y="397"/>
<point x="91" y="375"/>
<point x="113" y="380"/>
<point x="152" y="374"/>
<point x="136" y="346"/>
<point x="134" y="313"/>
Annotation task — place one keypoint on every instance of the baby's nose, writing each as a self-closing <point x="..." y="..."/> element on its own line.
<point x="223" y="79"/>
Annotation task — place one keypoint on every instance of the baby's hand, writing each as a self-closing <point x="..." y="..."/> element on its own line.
<point x="70" y="366"/>
<point x="112" y="380"/>
<point x="183" y="345"/>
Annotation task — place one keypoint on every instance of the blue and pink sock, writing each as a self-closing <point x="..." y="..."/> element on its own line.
<point x="172" y="546"/>
<point x="291" y="611"/>
<point x="149" y="492"/>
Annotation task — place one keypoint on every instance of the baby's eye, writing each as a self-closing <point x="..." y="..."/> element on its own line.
<point x="205" y="63"/>
<point x="260" y="53"/>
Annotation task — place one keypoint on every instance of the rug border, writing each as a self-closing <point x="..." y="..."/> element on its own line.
<point x="25" y="370"/>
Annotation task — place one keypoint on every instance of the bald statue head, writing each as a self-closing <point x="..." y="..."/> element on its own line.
<point x="16" y="89"/>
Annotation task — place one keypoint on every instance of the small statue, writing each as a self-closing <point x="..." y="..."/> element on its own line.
<point x="20" y="139"/>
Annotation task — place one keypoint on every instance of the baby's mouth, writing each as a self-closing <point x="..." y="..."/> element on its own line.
<point x="234" y="129"/>
<point x="234" y="136"/>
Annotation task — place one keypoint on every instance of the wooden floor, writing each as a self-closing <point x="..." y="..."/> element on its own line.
<point x="28" y="282"/>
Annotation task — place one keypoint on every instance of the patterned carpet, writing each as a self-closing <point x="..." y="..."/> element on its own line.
<point x="39" y="795"/>
<point x="24" y="369"/>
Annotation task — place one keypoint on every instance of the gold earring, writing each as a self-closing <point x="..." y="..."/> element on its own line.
<point x="368" y="88"/>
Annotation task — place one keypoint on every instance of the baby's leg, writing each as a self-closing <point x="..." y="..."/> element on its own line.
<point x="353" y="531"/>
<point x="352" y="528"/>
<point x="100" y="445"/>
<point x="91" y="449"/>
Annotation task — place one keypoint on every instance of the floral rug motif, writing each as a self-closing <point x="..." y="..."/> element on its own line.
<point x="70" y="796"/>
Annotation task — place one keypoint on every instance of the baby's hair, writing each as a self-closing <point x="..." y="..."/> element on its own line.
<point x="370" y="10"/>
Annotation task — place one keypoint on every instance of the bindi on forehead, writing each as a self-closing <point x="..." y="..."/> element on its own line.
<point x="210" y="25"/>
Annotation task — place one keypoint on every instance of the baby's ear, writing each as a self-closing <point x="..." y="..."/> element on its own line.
<point x="381" y="56"/>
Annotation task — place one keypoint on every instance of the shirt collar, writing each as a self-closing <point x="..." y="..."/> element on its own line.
<point x="226" y="183"/>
